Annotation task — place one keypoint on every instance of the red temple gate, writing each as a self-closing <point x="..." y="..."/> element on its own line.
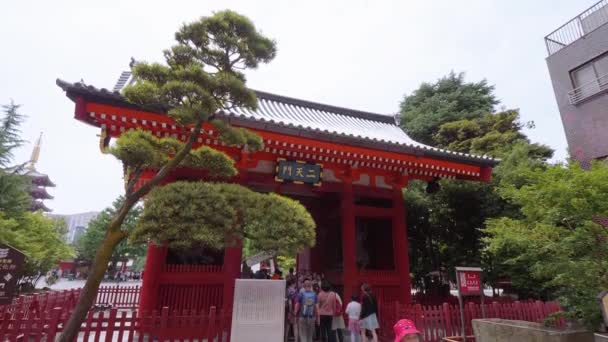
<point x="358" y="206"/>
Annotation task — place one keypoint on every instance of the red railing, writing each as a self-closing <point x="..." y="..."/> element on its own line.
<point x="379" y="275"/>
<point x="36" y="315"/>
<point x="118" y="296"/>
<point x="121" y="297"/>
<point x="433" y="299"/>
<point x="438" y="321"/>
<point x="174" y="268"/>
<point x="113" y="325"/>
<point x="190" y="297"/>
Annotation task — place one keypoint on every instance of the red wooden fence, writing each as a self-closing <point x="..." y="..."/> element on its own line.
<point x="42" y="315"/>
<point x="122" y="297"/>
<point x="438" y="321"/>
<point x="115" y="325"/>
<point x="118" y="296"/>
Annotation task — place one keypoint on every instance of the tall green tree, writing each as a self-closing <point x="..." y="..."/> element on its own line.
<point x="10" y="134"/>
<point x="87" y="243"/>
<point x="203" y="74"/>
<point x="556" y="243"/>
<point x="448" y="99"/>
<point x="492" y="133"/>
<point x="444" y="228"/>
<point x="40" y="238"/>
<point x="14" y="196"/>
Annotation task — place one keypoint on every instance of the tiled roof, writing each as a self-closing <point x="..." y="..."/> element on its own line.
<point x="312" y="116"/>
<point x="307" y="119"/>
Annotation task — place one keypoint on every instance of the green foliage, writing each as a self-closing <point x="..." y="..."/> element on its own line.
<point x="203" y="76"/>
<point x="286" y="262"/>
<point x="87" y="244"/>
<point x="186" y="214"/>
<point x="10" y="133"/>
<point x="14" y="195"/>
<point x="238" y="136"/>
<point x="445" y="228"/>
<point x="448" y="99"/>
<point x="139" y="149"/>
<point x="555" y="241"/>
<point x="492" y="133"/>
<point x="40" y="238"/>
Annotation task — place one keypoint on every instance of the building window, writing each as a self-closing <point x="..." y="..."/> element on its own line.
<point x="589" y="79"/>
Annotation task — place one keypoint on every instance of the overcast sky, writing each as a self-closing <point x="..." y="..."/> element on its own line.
<point x="358" y="54"/>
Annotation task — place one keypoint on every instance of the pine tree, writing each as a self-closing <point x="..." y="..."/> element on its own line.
<point x="10" y="134"/>
<point x="202" y="75"/>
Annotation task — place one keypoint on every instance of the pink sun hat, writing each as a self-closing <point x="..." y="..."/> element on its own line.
<point x="404" y="327"/>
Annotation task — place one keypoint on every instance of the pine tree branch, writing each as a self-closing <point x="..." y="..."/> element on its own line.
<point x="165" y="169"/>
<point x="136" y="174"/>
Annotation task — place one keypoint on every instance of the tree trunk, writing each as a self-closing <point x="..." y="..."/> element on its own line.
<point x="115" y="236"/>
<point x="89" y="292"/>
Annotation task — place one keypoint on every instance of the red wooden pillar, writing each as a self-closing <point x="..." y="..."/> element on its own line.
<point x="155" y="260"/>
<point x="401" y="246"/>
<point x="232" y="270"/>
<point x="349" y="251"/>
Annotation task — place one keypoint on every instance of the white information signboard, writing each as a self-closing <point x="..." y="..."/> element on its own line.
<point x="258" y="314"/>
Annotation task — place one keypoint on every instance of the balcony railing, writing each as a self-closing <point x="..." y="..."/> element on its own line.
<point x="589" y="89"/>
<point x="582" y="24"/>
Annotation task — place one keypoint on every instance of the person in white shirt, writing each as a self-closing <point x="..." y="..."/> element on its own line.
<point x="353" y="310"/>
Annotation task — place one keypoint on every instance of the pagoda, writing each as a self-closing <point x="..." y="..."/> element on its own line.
<point x="40" y="181"/>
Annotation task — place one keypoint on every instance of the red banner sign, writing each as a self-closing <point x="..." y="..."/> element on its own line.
<point x="469" y="282"/>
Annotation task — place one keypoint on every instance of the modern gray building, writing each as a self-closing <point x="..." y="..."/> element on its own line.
<point x="77" y="223"/>
<point x="578" y="65"/>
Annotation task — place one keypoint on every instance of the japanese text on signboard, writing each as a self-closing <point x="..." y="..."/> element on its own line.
<point x="298" y="172"/>
<point x="11" y="264"/>
<point x="469" y="282"/>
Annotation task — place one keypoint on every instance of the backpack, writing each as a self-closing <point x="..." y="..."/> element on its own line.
<point x="307" y="303"/>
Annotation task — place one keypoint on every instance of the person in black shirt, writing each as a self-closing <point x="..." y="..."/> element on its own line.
<point x="369" y="313"/>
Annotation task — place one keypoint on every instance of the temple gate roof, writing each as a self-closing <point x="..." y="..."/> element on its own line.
<point x="301" y="118"/>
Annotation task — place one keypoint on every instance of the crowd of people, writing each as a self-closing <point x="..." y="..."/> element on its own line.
<point x="315" y="311"/>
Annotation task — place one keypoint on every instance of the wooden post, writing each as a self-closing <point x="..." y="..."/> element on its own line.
<point x="419" y="320"/>
<point x="232" y="270"/>
<point x="211" y="326"/>
<point x="518" y="311"/>
<point x="164" y="318"/>
<point x="496" y="308"/>
<point x="447" y="319"/>
<point x="111" y="325"/>
<point x="461" y="307"/>
<point x="401" y="246"/>
<point x="349" y="252"/>
<point x="55" y="313"/>
<point x="155" y="261"/>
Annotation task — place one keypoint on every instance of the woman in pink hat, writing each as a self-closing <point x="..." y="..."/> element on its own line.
<point x="405" y="331"/>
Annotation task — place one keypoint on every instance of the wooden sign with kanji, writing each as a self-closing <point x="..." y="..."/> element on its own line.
<point x="11" y="266"/>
